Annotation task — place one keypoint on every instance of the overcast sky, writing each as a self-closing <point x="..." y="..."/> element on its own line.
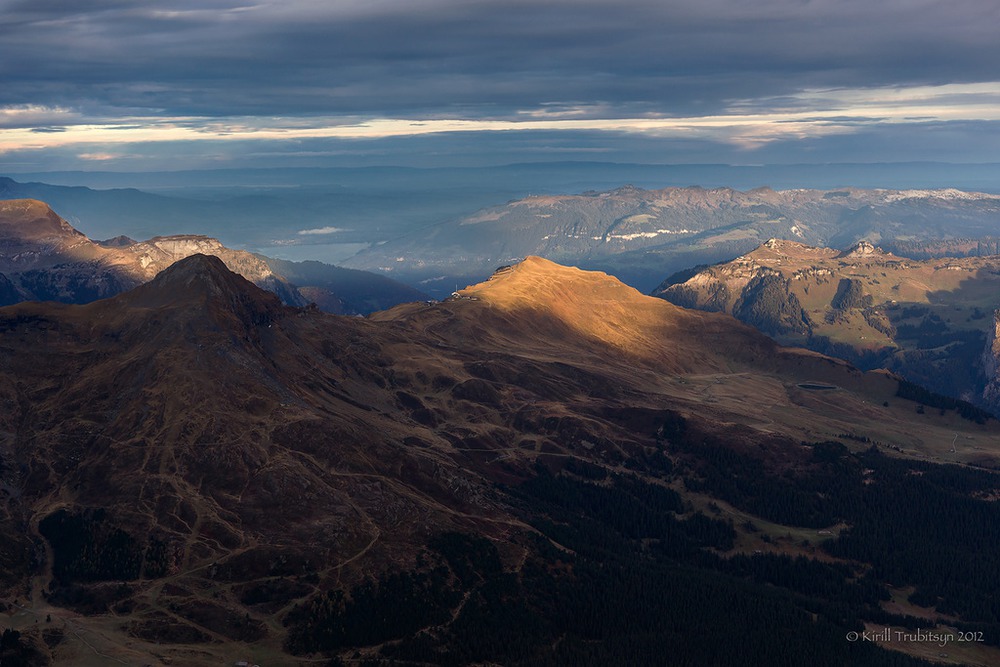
<point x="167" y="84"/>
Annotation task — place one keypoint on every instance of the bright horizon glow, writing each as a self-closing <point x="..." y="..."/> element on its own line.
<point x="808" y="114"/>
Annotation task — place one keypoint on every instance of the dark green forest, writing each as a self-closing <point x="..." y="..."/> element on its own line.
<point x="622" y="570"/>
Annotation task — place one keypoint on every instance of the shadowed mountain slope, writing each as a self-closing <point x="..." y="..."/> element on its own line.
<point x="206" y="473"/>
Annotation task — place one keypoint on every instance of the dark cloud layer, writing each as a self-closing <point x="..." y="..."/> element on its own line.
<point x="486" y="58"/>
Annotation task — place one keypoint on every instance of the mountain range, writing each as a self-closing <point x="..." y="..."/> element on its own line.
<point x="642" y="235"/>
<point x="933" y="321"/>
<point x="42" y="257"/>
<point x="434" y="228"/>
<point x="546" y="468"/>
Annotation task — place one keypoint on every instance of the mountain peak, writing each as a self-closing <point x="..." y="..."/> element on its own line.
<point x="196" y="267"/>
<point x="536" y="279"/>
<point x="862" y="249"/>
<point x="536" y="293"/>
<point x="33" y="220"/>
<point x="774" y="243"/>
<point x="204" y="282"/>
<point x="33" y="236"/>
<point x="200" y="272"/>
<point x="120" y="241"/>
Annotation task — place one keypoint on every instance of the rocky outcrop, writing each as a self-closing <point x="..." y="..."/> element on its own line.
<point x="861" y="249"/>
